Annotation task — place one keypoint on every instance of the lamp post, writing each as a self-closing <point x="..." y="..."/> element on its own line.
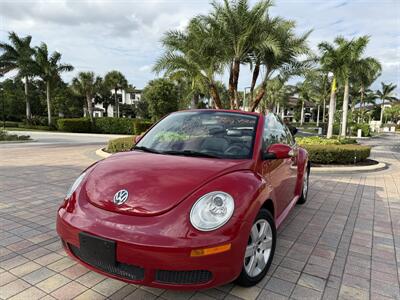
<point x="245" y="99"/>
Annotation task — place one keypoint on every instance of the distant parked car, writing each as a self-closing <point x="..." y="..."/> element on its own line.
<point x="195" y="204"/>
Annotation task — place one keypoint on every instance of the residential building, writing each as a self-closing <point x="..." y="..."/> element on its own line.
<point x="129" y="96"/>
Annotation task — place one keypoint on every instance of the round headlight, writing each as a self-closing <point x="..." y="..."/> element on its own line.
<point x="75" y="185"/>
<point x="212" y="211"/>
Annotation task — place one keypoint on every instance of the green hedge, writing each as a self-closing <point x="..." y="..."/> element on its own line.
<point x="115" y="125"/>
<point x="337" y="154"/>
<point x="317" y="140"/>
<point x="74" y="125"/>
<point x="141" y="126"/>
<point x="120" y="144"/>
<point x="104" y="125"/>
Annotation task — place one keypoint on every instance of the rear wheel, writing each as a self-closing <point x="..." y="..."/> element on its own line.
<point x="259" y="251"/>
<point x="304" y="191"/>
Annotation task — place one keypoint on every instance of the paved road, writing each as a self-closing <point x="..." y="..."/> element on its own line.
<point x="343" y="243"/>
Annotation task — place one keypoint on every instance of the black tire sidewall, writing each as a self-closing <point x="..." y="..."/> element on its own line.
<point x="244" y="279"/>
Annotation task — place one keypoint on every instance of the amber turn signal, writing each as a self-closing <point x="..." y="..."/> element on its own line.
<point x="208" y="251"/>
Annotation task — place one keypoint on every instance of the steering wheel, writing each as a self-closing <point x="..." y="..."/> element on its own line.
<point x="235" y="149"/>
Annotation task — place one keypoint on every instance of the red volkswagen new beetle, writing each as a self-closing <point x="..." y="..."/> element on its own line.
<point x="195" y="204"/>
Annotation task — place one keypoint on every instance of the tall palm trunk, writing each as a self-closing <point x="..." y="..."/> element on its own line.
<point x="256" y="72"/>
<point x="90" y="106"/>
<point x="195" y="100"/>
<point x="28" y="104"/>
<point x="231" y="89"/>
<point x="345" y="108"/>
<point x="302" y="113"/>
<point x="48" y="102"/>
<point x="235" y="80"/>
<point x="361" y="105"/>
<point x="318" y="109"/>
<point x="382" y="109"/>
<point x="261" y="92"/>
<point x="324" y="111"/>
<point x="116" y="103"/>
<point x="332" y="108"/>
<point x="215" y="95"/>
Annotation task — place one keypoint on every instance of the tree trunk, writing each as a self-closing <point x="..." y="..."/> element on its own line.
<point x="318" y="109"/>
<point x="195" y="100"/>
<point x="235" y="80"/>
<point x="231" y="89"/>
<point x="332" y="108"/>
<point x="361" y="106"/>
<point x="345" y="107"/>
<point x="116" y="103"/>
<point x="277" y="108"/>
<point x="259" y="96"/>
<point x="382" y="108"/>
<point x="28" y="104"/>
<point x="261" y="92"/>
<point x="324" y="111"/>
<point x="90" y="106"/>
<point x="215" y="95"/>
<point x="283" y="112"/>
<point x="302" y="113"/>
<point x="256" y="72"/>
<point x="48" y="102"/>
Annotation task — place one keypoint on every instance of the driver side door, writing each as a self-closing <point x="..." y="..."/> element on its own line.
<point x="280" y="173"/>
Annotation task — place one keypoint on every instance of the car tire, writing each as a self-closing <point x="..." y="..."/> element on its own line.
<point x="304" y="189"/>
<point x="259" y="251"/>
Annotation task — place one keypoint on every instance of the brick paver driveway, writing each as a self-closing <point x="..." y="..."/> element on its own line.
<point x="345" y="242"/>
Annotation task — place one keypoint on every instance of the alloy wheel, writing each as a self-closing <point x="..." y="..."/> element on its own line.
<point x="258" y="249"/>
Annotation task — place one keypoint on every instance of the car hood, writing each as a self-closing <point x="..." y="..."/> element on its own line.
<point x="155" y="183"/>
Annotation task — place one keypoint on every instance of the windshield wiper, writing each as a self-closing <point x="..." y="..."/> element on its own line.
<point x="145" y="149"/>
<point x="190" y="153"/>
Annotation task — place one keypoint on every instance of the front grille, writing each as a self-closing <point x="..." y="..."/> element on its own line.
<point x="120" y="269"/>
<point x="183" y="277"/>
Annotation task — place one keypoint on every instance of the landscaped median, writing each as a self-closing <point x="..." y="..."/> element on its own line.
<point x="6" y="137"/>
<point x="326" y="155"/>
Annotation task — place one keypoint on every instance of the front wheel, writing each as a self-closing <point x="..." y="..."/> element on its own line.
<point x="259" y="251"/>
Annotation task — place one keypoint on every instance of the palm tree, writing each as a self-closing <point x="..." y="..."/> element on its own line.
<point x="115" y="80"/>
<point x="281" y="55"/>
<point x="352" y="61"/>
<point x="86" y="85"/>
<point x="240" y="30"/>
<point x="18" y="56"/>
<point x="386" y="94"/>
<point x="194" y="55"/>
<point x="364" y="73"/>
<point x="334" y="60"/>
<point x="48" y="68"/>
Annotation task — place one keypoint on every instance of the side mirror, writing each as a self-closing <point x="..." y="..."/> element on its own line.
<point x="278" y="151"/>
<point x="138" y="138"/>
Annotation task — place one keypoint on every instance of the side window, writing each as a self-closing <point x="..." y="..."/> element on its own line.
<point x="274" y="132"/>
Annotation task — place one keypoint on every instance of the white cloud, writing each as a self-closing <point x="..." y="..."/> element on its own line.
<point x="104" y="35"/>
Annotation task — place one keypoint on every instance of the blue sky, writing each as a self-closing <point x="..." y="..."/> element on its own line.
<point x="104" y="35"/>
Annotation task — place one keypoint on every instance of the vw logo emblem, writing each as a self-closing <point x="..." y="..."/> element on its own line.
<point x="120" y="197"/>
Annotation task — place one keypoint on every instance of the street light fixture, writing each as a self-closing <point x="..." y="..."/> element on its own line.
<point x="245" y="99"/>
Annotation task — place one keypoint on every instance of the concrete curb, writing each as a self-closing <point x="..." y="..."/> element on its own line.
<point x="378" y="167"/>
<point x="102" y="154"/>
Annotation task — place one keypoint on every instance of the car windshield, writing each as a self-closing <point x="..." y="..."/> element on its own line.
<point x="211" y="134"/>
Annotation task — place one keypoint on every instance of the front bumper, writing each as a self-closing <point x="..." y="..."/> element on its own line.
<point x="146" y="256"/>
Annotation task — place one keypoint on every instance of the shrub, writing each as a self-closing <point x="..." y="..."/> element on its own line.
<point x="4" y="136"/>
<point x="36" y="127"/>
<point x="115" y="125"/>
<point x="365" y="129"/>
<point x="337" y="154"/>
<point x="74" y="125"/>
<point x="10" y="124"/>
<point x="316" y="140"/>
<point x="120" y="144"/>
<point x="141" y="126"/>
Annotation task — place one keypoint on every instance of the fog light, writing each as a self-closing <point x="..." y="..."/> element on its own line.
<point x="208" y="251"/>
